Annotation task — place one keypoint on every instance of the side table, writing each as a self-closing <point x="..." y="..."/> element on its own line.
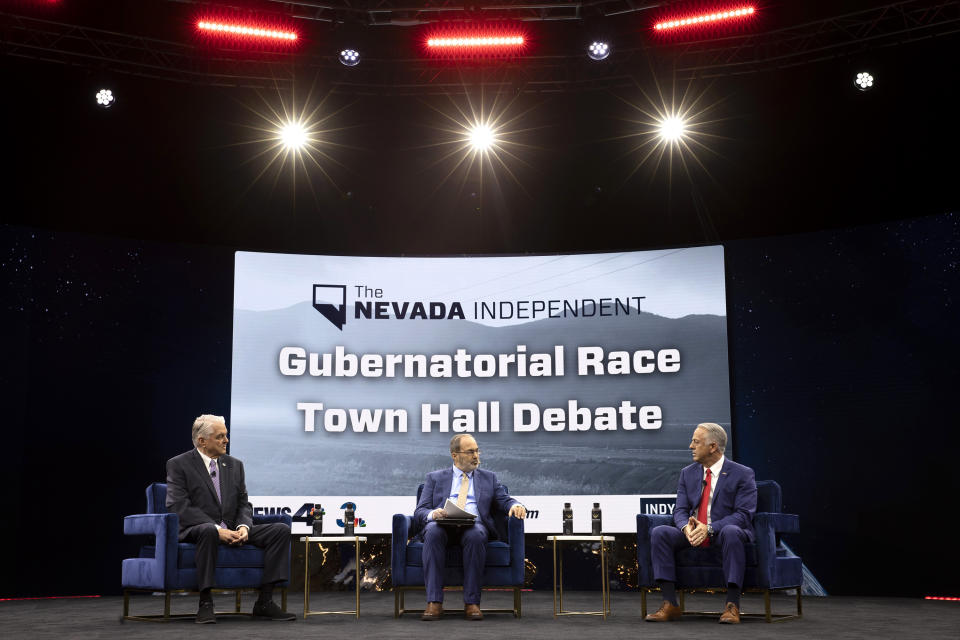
<point x="558" y="609"/>
<point x="306" y="540"/>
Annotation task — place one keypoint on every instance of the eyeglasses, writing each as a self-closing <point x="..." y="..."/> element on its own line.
<point x="470" y="452"/>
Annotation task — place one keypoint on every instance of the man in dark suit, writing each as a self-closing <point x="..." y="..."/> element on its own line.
<point x="207" y="491"/>
<point x="716" y="500"/>
<point x="475" y="491"/>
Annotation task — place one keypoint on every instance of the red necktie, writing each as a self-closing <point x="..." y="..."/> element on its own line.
<point x="704" y="503"/>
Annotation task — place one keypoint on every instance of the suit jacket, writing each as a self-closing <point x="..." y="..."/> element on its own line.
<point x="486" y="488"/>
<point x="734" y="498"/>
<point x="190" y="492"/>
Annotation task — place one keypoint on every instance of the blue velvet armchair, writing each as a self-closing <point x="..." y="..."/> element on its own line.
<point x="771" y="566"/>
<point x="504" y="566"/>
<point x="168" y="565"/>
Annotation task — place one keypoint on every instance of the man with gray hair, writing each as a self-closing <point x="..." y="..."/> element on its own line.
<point x="716" y="500"/>
<point x="475" y="491"/>
<point x="207" y="490"/>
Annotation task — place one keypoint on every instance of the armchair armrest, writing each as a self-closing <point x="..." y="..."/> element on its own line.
<point x="646" y="524"/>
<point x="517" y="542"/>
<point x="398" y="548"/>
<point x="766" y="526"/>
<point x="779" y="522"/>
<point x="273" y="517"/>
<point x="163" y="566"/>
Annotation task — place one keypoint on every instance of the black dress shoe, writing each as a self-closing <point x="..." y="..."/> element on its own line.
<point x="205" y="614"/>
<point x="270" y="610"/>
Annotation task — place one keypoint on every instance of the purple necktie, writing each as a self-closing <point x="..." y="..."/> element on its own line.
<point x="216" y="485"/>
<point x="215" y="478"/>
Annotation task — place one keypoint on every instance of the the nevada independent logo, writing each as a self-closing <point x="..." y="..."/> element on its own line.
<point x="331" y="301"/>
<point x="369" y="304"/>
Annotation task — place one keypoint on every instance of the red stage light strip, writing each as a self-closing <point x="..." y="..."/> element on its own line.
<point x="717" y="16"/>
<point x="242" y="30"/>
<point x="947" y="598"/>
<point x="475" y="42"/>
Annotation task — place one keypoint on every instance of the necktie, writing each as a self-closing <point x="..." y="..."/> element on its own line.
<point x="215" y="478"/>
<point x="216" y="485"/>
<point x="464" y="487"/>
<point x="704" y="503"/>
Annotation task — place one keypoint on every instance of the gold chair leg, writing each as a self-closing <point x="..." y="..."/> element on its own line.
<point x="643" y="603"/>
<point x="166" y="605"/>
<point x="799" y="603"/>
<point x="126" y="603"/>
<point x="236" y="604"/>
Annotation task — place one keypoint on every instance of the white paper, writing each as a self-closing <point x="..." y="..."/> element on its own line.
<point x="453" y="511"/>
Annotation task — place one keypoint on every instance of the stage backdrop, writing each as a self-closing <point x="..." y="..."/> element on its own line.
<point x="580" y="376"/>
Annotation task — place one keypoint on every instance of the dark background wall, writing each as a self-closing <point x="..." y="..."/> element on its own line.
<point x="843" y="357"/>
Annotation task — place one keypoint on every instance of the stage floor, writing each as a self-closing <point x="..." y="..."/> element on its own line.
<point x="831" y="617"/>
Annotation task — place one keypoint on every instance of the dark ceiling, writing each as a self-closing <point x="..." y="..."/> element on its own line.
<point x="781" y="140"/>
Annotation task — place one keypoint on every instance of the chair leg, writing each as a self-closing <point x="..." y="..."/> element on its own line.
<point x="126" y="603"/>
<point x="166" y="605"/>
<point x="682" y="605"/>
<point x="517" y="604"/>
<point x="396" y="602"/>
<point x="799" y="602"/>
<point x="283" y="599"/>
<point x="236" y="604"/>
<point x="643" y="602"/>
<point x="766" y="605"/>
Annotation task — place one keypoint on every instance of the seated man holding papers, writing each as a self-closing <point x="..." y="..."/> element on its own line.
<point x="458" y="495"/>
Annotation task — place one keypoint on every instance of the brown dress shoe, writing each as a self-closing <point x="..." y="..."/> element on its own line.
<point x="666" y="613"/>
<point x="472" y="612"/>
<point x="434" y="611"/>
<point x="730" y="615"/>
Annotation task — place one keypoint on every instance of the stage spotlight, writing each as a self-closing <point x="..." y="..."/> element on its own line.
<point x="105" y="98"/>
<point x="481" y="137"/>
<point x="598" y="50"/>
<point x="863" y="81"/>
<point x="293" y="135"/>
<point x="350" y="57"/>
<point x="672" y="128"/>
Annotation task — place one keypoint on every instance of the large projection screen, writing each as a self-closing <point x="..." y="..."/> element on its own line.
<point x="581" y="377"/>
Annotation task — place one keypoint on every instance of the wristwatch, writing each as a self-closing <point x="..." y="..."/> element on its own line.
<point x="710" y="530"/>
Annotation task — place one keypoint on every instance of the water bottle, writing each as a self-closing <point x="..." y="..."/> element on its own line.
<point x="317" y="520"/>
<point x="596" y="525"/>
<point x="348" y="519"/>
<point x="567" y="519"/>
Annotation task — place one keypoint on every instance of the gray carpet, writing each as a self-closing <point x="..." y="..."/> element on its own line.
<point x="830" y="617"/>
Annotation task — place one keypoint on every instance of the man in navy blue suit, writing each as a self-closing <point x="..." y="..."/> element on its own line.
<point x="475" y="491"/>
<point x="716" y="500"/>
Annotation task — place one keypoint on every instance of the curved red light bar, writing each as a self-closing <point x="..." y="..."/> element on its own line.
<point x="706" y="18"/>
<point x="470" y="42"/>
<point x="223" y="28"/>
